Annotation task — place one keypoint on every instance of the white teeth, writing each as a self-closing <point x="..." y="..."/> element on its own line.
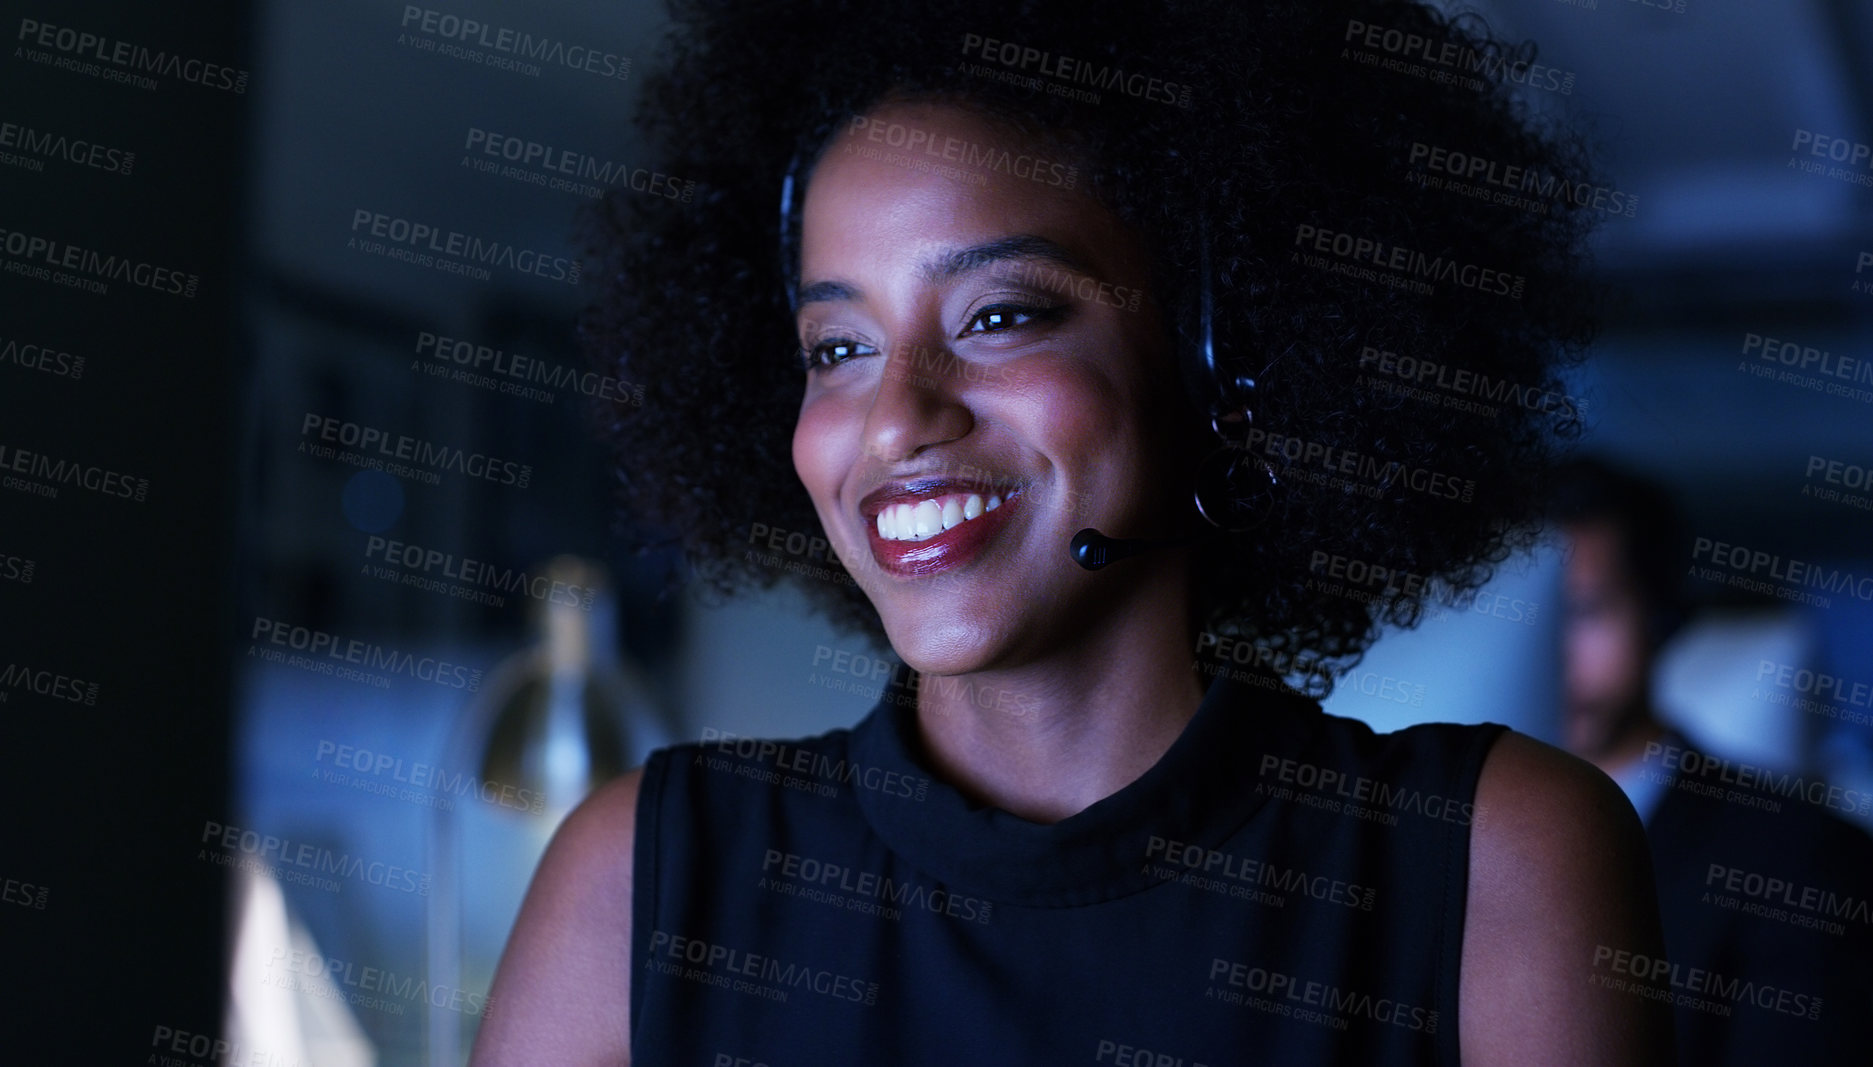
<point x="927" y="518"/>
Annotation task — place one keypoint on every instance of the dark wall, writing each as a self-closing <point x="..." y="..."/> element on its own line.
<point x="116" y="611"/>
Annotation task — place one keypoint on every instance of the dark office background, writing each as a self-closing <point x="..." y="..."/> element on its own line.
<point x="119" y="919"/>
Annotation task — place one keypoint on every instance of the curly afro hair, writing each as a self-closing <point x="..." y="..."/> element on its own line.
<point x="1347" y="162"/>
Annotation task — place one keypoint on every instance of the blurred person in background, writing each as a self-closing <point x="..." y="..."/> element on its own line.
<point x="1764" y="895"/>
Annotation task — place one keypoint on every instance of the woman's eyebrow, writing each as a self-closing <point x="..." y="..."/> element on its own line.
<point x="961" y="261"/>
<point x="1002" y="250"/>
<point x="820" y="292"/>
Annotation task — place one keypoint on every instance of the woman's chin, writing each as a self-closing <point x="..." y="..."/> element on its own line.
<point x="939" y="646"/>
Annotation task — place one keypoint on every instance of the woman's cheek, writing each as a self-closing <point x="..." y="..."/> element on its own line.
<point x="825" y="447"/>
<point x="812" y="444"/>
<point x="1071" y="406"/>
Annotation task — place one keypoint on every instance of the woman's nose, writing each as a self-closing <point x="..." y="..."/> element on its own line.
<point x="919" y="402"/>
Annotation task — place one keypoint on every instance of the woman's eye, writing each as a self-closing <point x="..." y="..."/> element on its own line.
<point x="997" y="317"/>
<point x="832" y="353"/>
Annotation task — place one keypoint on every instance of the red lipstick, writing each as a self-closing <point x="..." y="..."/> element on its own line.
<point x="952" y="548"/>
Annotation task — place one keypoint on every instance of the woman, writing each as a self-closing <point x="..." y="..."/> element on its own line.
<point x="1012" y="250"/>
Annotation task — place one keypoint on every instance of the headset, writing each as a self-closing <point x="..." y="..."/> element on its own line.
<point x="789" y="244"/>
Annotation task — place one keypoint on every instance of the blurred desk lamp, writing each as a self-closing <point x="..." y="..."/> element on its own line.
<point x="555" y="721"/>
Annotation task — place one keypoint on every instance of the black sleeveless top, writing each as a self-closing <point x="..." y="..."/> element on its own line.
<point x="1283" y="886"/>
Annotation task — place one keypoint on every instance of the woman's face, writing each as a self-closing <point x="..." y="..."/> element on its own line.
<point x="977" y="334"/>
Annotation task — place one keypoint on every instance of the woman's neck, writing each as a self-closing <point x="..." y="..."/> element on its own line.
<point x="1046" y="739"/>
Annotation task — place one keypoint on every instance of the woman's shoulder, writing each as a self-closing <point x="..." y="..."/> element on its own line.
<point x="1551" y="831"/>
<point x="1529" y="779"/>
<point x="1560" y="904"/>
<point x="592" y="851"/>
<point x="1541" y="811"/>
<point x="564" y="983"/>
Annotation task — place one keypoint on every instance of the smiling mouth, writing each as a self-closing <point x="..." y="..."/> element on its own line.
<point x="931" y="517"/>
<point x="940" y="532"/>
